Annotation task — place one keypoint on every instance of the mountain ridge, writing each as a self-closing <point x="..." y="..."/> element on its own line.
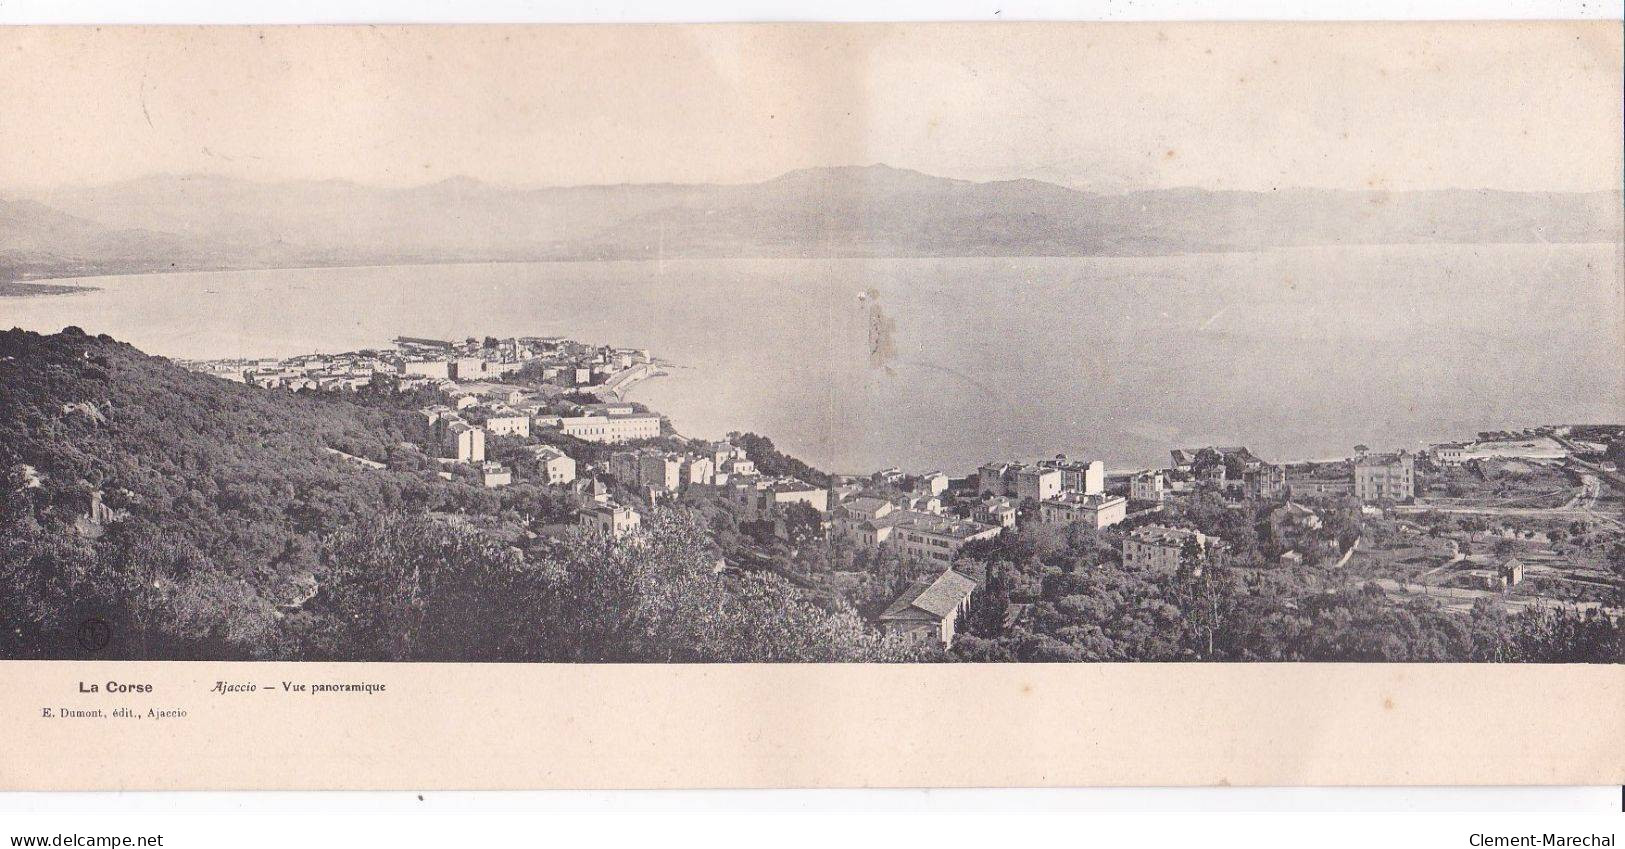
<point x="205" y="221"/>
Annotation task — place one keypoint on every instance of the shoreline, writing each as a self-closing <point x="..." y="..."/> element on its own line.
<point x="32" y="289"/>
<point x="51" y="278"/>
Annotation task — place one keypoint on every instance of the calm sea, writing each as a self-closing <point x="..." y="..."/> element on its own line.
<point x="945" y="363"/>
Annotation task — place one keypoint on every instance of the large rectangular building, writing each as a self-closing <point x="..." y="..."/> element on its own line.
<point x="508" y="423"/>
<point x="782" y="492"/>
<point x="1162" y="549"/>
<point x="611" y="428"/>
<point x="1085" y="476"/>
<point x="1026" y="482"/>
<point x="1385" y="477"/>
<point x="438" y="369"/>
<point x="924" y="536"/>
<point x="1096" y="511"/>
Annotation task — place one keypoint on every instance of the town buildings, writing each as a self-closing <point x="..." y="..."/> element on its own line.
<point x="997" y="510"/>
<point x="555" y="466"/>
<point x="663" y="471"/>
<point x="1298" y="515"/>
<point x="1449" y="453"/>
<point x="933" y="483"/>
<point x="921" y="503"/>
<point x="764" y="495"/>
<point x="1385" y="477"/>
<point x="1310" y="486"/>
<point x="736" y="466"/>
<point x="493" y="474"/>
<point x="1148" y="486"/>
<point x="1095" y="511"/>
<point x="464" y="441"/>
<point x="660" y="470"/>
<point x="508" y="423"/>
<point x="1020" y="480"/>
<point x="1262" y="481"/>
<point x="924" y="536"/>
<point x="438" y="369"/>
<point x="1085" y="476"/>
<point x="697" y="470"/>
<point x="467" y="368"/>
<point x="850" y="516"/>
<point x="609" y="521"/>
<point x="436" y="413"/>
<point x="614" y="427"/>
<point x="1162" y="549"/>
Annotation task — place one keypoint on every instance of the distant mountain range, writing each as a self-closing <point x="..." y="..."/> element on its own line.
<point x="198" y="222"/>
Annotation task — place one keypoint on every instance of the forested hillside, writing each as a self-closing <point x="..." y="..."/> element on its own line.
<point x="230" y="529"/>
<point x="236" y="533"/>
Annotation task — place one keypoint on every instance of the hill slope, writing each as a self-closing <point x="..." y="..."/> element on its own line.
<point x="238" y="534"/>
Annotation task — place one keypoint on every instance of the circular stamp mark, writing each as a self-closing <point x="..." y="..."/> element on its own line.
<point x="94" y="635"/>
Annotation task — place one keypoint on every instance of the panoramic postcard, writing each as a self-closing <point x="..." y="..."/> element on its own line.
<point x="950" y="343"/>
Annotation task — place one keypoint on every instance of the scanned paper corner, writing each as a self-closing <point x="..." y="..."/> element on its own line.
<point x="812" y="406"/>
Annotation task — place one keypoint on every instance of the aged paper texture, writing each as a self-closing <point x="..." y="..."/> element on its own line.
<point x="788" y="405"/>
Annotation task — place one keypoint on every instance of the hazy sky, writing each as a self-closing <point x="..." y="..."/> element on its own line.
<point x="1513" y="106"/>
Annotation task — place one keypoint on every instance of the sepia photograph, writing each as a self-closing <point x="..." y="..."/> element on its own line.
<point x="779" y="343"/>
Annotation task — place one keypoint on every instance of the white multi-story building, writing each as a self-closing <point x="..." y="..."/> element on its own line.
<point x="851" y="515"/>
<point x="763" y="495"/>
<point x="933" y="483"/>
<point x="923" y="536"/>
<point x="439" y="369"/>
<point x="1029" y="483"/>
<point x="997" y="510"/>
<point x="611" y="428"/>
<point x="737" y="467"/>
<point x="1036" y="483"/>
<point x="465" y="442"/>
<point x="698" y="470"/>
<point x="1096" y="511"/>
<point x="1161" y="548"/>
<point x="1148" y="486"/>
<point x="1385" y="477"/>
<point x="661" y="471"/>
<point x="556" y="467"/>
<point x="508" y="423"/>
<point x="607" y="521"/>
<point x="468" y="368"/>
<point x="1085" y="476"/>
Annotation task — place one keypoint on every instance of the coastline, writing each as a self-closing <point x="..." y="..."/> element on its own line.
<point x="49" y="276"/>
<point x="632" y="377"/>
<point x="29" y="289"/>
